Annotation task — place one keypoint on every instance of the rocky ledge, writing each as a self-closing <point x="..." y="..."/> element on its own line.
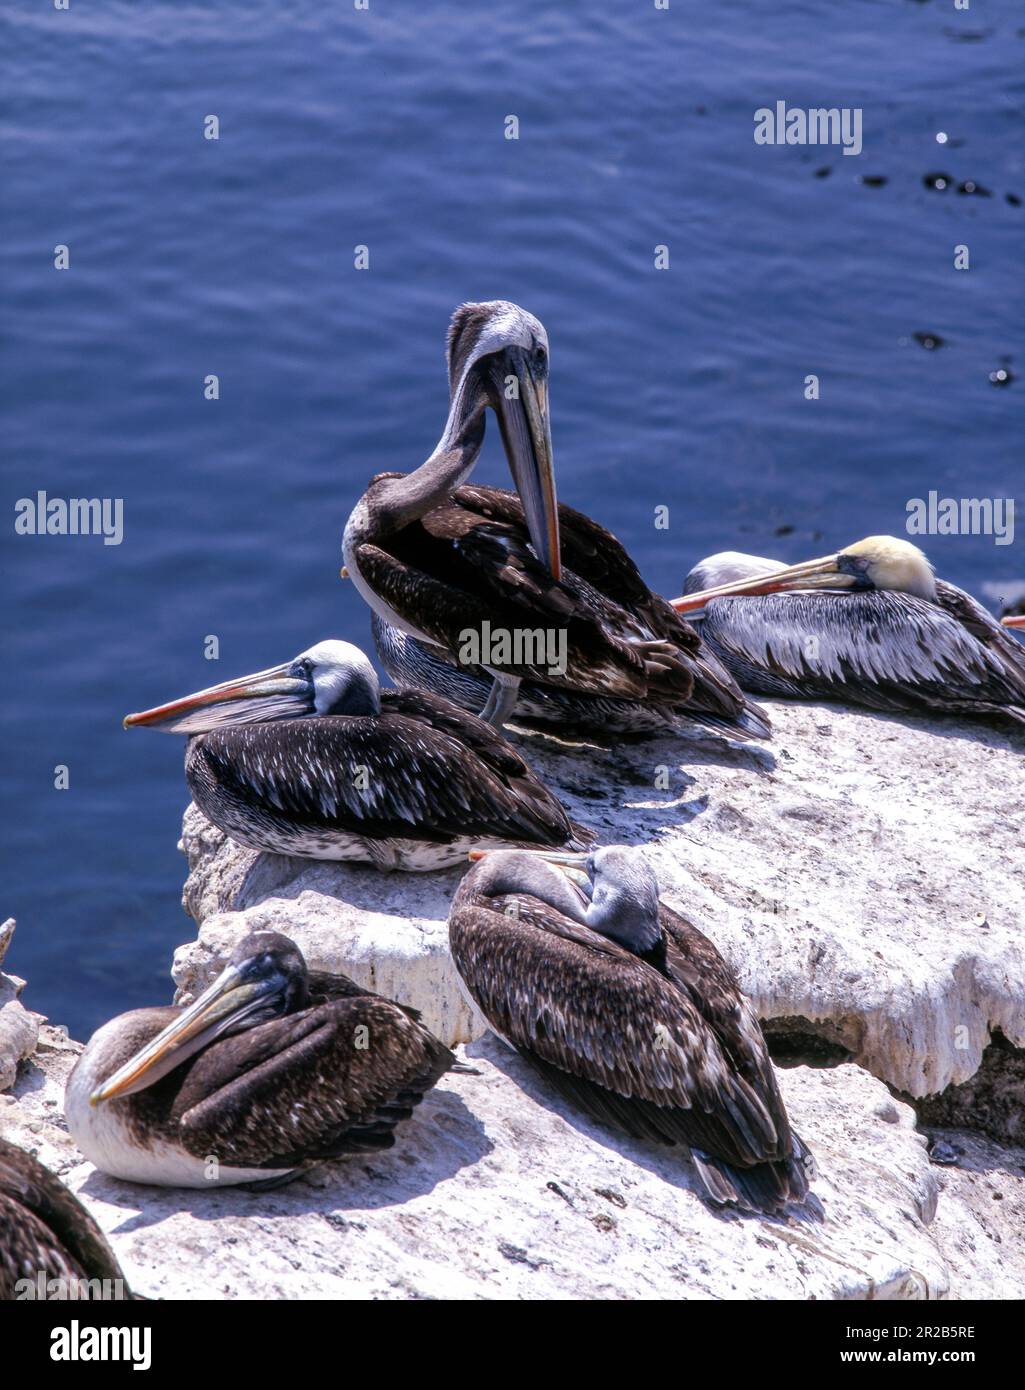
<point x="862" y="875"/>
<point x="495" y="1189"/>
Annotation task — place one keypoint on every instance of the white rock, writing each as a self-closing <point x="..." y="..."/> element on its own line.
<point x="862" y="872"/>
<point x="387" y="932"/>
<point x="980" y="1218"/>
<point x="496" y="1189"/>
<point x="863" y="875"/>
<point x="19" y="1028"/>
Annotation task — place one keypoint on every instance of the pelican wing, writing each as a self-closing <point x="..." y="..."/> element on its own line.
<point x="499" y="555"/>
<point x="700" y="971"/>
<point x="27" y="1243"/>
<point x="891" y="650"/>
<point x="607" y="652"/>
<point x="386" y="776"/>
<point x="615" y="1035"/>
<point x="328" y="1080"/>
<point x="465" y="728"/>
<point x="1004" y="652"/>
<point x="590" y="552"/>
<point x="607" y="586"/>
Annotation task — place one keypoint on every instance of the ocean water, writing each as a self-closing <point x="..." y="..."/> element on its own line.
<point x="681" y="387"/>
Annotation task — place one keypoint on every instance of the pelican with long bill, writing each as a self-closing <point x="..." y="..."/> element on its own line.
<point x="445" y="564"/>
<point x="312" y="758"/>
<point x="263" y="1076"/>
<point x="868" y="625"/>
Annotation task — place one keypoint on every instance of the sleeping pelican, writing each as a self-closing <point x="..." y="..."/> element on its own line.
<point x="46" y="1234"/>
<point x="271" y="1070"/>
<point x="476" y="575"/>
<point x="629" y="1012"/>
<point x="312" y="758"/>
<point x="871" y="625"/>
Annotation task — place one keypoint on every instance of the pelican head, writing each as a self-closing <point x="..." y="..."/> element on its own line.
<point x="329" y="678"/>
<point x="265" y="978"/>
<point x="612" y="890"/>
<point x="878" y="562"/>
<point x="498" y="357"/>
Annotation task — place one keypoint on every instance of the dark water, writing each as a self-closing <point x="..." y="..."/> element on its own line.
<point x="682" y="387"/>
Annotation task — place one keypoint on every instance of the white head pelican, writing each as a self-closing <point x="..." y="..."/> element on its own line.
<point x="311" y="758"/>
<point x="870" y="624"/>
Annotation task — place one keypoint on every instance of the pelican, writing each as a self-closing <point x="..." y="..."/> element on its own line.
<point x="476" y="574"/>
<point x="273" y="1069"/>
<point x="46" y="1234"/>
<point x="629" y="1012"/>
<point x="311" y="758"/>
<point x="870" y="624"/>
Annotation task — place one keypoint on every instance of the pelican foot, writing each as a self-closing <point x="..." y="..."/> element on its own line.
<point x="502" y="700"/>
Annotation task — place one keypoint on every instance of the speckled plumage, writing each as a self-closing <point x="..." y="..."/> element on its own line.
<point x="883" y="649"/>
<point x="415" y="787"/>
<point x="45" y="1230"/>
<point x="664" y="1046"/>
<point x="332" y="1077"/>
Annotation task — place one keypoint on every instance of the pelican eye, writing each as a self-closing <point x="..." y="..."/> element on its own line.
<point x="856" y="565"/>
<point x="257" y="966"/>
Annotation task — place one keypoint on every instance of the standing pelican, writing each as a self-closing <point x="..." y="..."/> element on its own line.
<point x="476" y="574"/>
<point x="312" y="758"/>
<point x="870" y="624"/>
<point x="272" y="1069"/>
<point x="629" y="1012"/>
<point x="46" y="1234"/>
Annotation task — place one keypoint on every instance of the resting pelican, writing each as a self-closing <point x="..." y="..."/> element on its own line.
<point x="476" y="573"/>
<point x="271" y="1070"/>
<point x="312" y="758"/>
<point x="46" y="1234"/>
<point x="629" y="1012"/>
<point x="870" y="624"/>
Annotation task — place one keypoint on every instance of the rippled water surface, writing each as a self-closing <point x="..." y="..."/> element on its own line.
<point x="682" y="387"/>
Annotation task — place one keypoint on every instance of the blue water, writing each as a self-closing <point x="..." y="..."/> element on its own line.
<point x="682" y="387"/>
